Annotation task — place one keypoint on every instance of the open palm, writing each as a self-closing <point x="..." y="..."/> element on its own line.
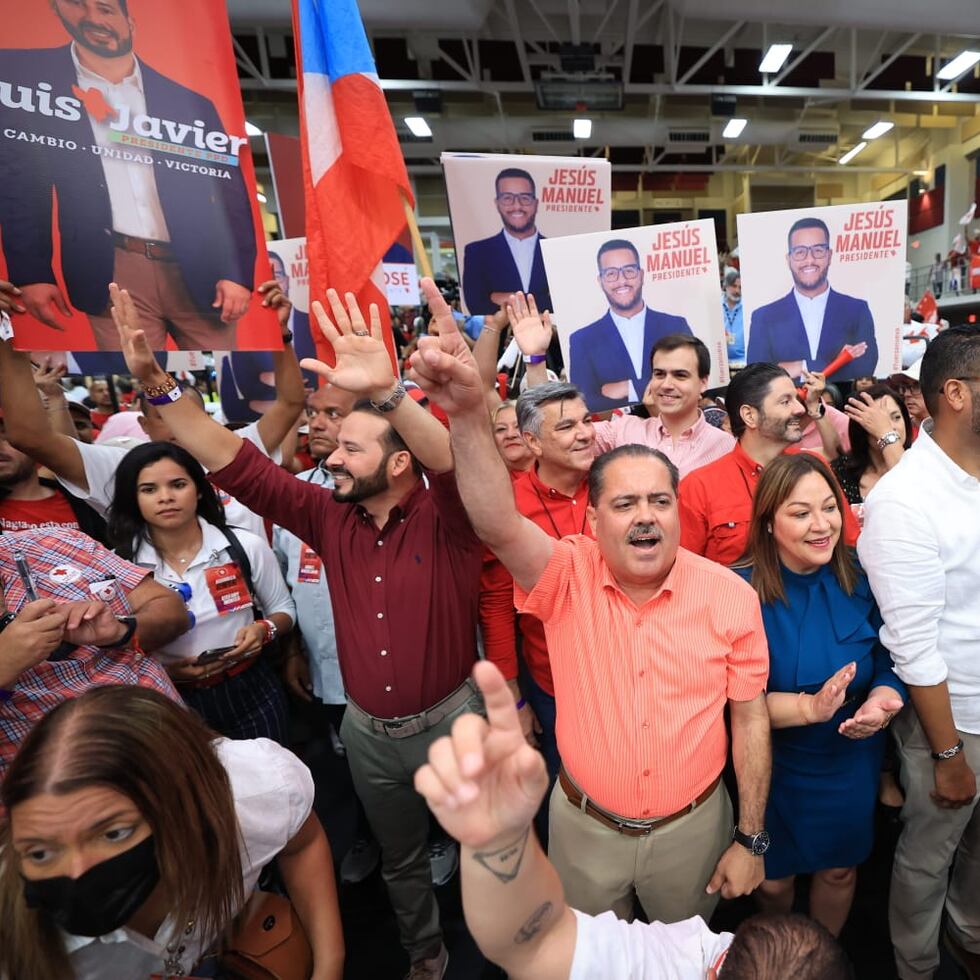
<point x="531" y="330"/>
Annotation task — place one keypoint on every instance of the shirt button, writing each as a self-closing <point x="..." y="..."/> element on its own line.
<point x="646" y="724"/>
<point x="384" y="653"/>
<point x="381" y="615"/>
<point x="646" y="813"/>
<point x="646" y="772"/>
<point x="388" y="687"/>
<point x="642" y="672"/>
<point x="380" y="543"/>
<point x="377" y="578"/>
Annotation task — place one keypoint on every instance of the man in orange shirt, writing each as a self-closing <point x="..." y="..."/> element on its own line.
<point x="648" y="645"/>
<point x="716" y="500"/>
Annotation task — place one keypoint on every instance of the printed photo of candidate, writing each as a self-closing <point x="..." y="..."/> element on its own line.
<point x="610" y="359"/>
<point x="809" y="326"/>
<point x="175" y="230"/>
<point x="509" y="261"/>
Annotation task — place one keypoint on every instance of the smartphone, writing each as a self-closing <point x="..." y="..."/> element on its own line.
<point x="209" y="656"/>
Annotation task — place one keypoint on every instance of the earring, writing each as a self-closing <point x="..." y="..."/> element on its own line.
<point x="769" y="528"/>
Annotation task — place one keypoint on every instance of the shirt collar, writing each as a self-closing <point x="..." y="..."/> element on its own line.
<point x="521" y="242"/>
<point x="543" y="488"/>
<point x="690" y="432"/>
<point x="135" y="77"/>
<point x="405" y="506"/>
<point x="626" y="321"/>
<point x="213" y="541"/>
<point x="821" y="298"/>
<point x="667" y="587"/>
<point x="955" y="471"/>
<point x="744" y="461"/>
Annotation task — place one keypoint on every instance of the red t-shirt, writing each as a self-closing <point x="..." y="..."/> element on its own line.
<point x="53" y="511"/>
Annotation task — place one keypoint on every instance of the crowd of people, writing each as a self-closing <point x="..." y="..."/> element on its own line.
<point x="634" y="664"/>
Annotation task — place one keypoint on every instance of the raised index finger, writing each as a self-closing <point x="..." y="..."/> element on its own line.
<point x="438" y="307"/>
<point x="501" y="709"/>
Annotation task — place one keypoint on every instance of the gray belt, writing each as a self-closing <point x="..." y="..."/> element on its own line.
<point x="423" y="721"/>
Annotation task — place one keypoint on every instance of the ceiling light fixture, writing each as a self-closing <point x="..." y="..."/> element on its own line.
<point x="878" y="129"/>
<point x="581" y="128"/>
<point x="964" y="61"/>
<point x="418" y="126"/>
<point x="733" y="128"/>
<point x="251" y="129"/>
<point x="852" y="153"/>
<point x="775" y="58"/>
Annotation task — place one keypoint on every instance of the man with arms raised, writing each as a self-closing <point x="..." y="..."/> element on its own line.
<point x="648" y="643"/>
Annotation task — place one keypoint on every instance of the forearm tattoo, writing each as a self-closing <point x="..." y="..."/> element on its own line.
<point x="505" y="863"/>
<point x="533" y="925"/>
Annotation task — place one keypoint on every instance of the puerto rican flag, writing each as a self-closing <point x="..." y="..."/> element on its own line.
<point x="352" y="165"/>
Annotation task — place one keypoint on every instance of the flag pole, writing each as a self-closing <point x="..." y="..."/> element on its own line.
<point x="422" y="256"/>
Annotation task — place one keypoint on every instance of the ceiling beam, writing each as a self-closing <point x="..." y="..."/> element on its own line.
<point x="889" y="61"/>
<point x="805" y="53"/>
<point x="575" y="21"/>
<point x="518" y="42"/>
<point x="710" y="53"/>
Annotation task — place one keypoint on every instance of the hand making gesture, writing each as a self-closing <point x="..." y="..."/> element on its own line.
<point x="531" y="330"/>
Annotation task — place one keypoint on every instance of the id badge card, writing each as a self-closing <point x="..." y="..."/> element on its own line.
<point x="310" y="566"/>
<point x="228" y="589"/>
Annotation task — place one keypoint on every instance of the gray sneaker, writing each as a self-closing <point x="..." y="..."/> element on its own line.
<point x="430" y="969"/>
<point x="360" y="860"/>
<point x="443" y="860"/>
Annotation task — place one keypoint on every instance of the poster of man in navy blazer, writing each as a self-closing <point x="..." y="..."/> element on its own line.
<point x="146" y="184"/>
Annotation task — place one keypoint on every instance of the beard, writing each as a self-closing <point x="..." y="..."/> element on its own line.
<point x="362" y="487"/>
<point x="123" y="45"/>
<point x="816" y="284"/>
<point x="780" y="430"/>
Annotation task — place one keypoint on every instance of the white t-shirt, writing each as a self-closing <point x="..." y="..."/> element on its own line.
<point x="607" y="948"/>
<point x="101" y="463"/>
<point x="273" y="793"/>
<point x="211" y="629"/>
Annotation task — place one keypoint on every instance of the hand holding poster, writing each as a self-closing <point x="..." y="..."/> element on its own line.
<point x="502" y="209"/>
<point x="616" y="294"/>
<point x="843" y="287"/>
<point x="123" y="157"/>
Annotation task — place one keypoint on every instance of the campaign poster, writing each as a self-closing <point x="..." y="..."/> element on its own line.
<point x="821" y="285"/>
<point x="503" y="208"/>
<point x="617" y="293"/>
<point x="124" y="157"/>
<point x="401" y="276"/>
<point x="245" y="378"/>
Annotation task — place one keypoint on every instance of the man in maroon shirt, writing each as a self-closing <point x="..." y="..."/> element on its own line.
<point x="402" y="565"/>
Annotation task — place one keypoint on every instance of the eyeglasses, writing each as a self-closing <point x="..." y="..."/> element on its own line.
<point x="629" y="272"/>
<point x="508" y="199"/>
<point x="909" y="389"/>
<point x="800" y="252"/>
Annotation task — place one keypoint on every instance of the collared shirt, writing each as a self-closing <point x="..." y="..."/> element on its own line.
<point x="272" y="792"/>
<point x="211" y="629"/>
<point x="560" y="517"/>
<point x="101" y="463"/>
<point x="641" y="692"/>
<point x="695" y="446"/>
<point x="812" y="310"/>
<point x="68" y="566"/>
<point x="715" y="503"/>
<point x="404" y="597"/>
<point x="734" y="332"/>
<point x="314" y="611"/>
<point x="920" y="548"/>
<point x="631" y="330"/>
<point x="522" y="249"/>
<point x="132" y="186"/>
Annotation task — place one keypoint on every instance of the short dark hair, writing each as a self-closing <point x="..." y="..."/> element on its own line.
<point x="750" y="387"/>
<point x="675" y="341"/>
<point x="953" y="353"/>
<point x="858" y="459"/>
<point x="513" y="172"/>
<point x="391" y="441"/>
<point x="802" y="223"/>
<point x="634" y="450"/>
<point x="611" y="246"/>
<point x="773" y="947"/>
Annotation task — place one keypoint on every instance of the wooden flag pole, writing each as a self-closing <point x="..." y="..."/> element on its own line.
<point x="421" y="255"/>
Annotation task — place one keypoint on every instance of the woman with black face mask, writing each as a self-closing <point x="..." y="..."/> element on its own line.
<point x="134" y="837"/>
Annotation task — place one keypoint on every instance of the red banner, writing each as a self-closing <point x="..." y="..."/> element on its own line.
<point x="123" y="157"/>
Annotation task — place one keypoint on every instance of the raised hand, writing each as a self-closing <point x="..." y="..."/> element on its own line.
<point x="47" y="378"/>
<point x="856" y="350"/>
<point x="872" y="416"/>
<point x="871" y="717"/>
<point x="815" y="383"/>
<point x="132" y="340"/>
<point x="823" y="705"/>
<point x="363" y="363"/>
<point x="443" y="366"/>
<point x="531" y="331"/>
<point x="274" y="298"/>
<point x="484" y="783"/>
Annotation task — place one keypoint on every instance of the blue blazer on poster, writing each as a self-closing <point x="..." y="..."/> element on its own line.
<point x="776" y="333"/>
<point x="489" y="267"/>
<point x="599" y="356"/>
<point x="209" y="218"/>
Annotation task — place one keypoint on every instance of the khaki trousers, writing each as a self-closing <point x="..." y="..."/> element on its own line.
<point x="668" y="870"/>
<point x="933" y="840"/>
<point x="165" y="308"/>
<point x="383" y="770"/>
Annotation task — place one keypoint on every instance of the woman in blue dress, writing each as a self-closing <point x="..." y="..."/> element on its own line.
<point x="831" y="689"/>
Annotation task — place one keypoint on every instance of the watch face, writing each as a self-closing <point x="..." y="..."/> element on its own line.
<point x="760" y="843"/>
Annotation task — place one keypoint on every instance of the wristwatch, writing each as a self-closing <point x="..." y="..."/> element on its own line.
<point x="6" y="619"/>
<point x="821" y="411"/>
<point x="758" y="843"/>
<point x="888" y="439"/>
<point x="392" y="401"/>
<point x="130" y="623"/>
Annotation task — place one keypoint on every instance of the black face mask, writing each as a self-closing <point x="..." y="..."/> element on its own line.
<point x="104" y="898"/>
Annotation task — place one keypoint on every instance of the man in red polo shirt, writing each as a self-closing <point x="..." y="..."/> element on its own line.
<point x="716" y="500"/>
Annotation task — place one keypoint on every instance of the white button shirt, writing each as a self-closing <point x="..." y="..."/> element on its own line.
<point x="920" y="547"/>
<point x="101" y="463"/>
<point x="211" y="629"/>
<point x="314" y="610"/>
<point x="812" y="311"/>
<point x="522" y="249"/>
<point x="631" y="329"/>
<point x="273" y="796"/>
<point x="132" y="186"/>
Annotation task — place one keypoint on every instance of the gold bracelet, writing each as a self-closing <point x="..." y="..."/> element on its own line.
<point x="154" y="391"/>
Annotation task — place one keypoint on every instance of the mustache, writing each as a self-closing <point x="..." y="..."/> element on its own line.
<point x="87" y="25"/>
<point x="339" y="471"/>
<point x="638" y="531"/>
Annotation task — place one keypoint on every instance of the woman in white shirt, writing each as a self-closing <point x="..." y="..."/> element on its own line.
<point x="134" y="840"/>
<point x="167" y="517"/>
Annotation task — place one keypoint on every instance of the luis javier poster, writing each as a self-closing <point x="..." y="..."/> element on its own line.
<point x="825" y="287"/>
<point x="124" y="157"/>
<point x="504" y="207"/>
<point x="617" y="293"/>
